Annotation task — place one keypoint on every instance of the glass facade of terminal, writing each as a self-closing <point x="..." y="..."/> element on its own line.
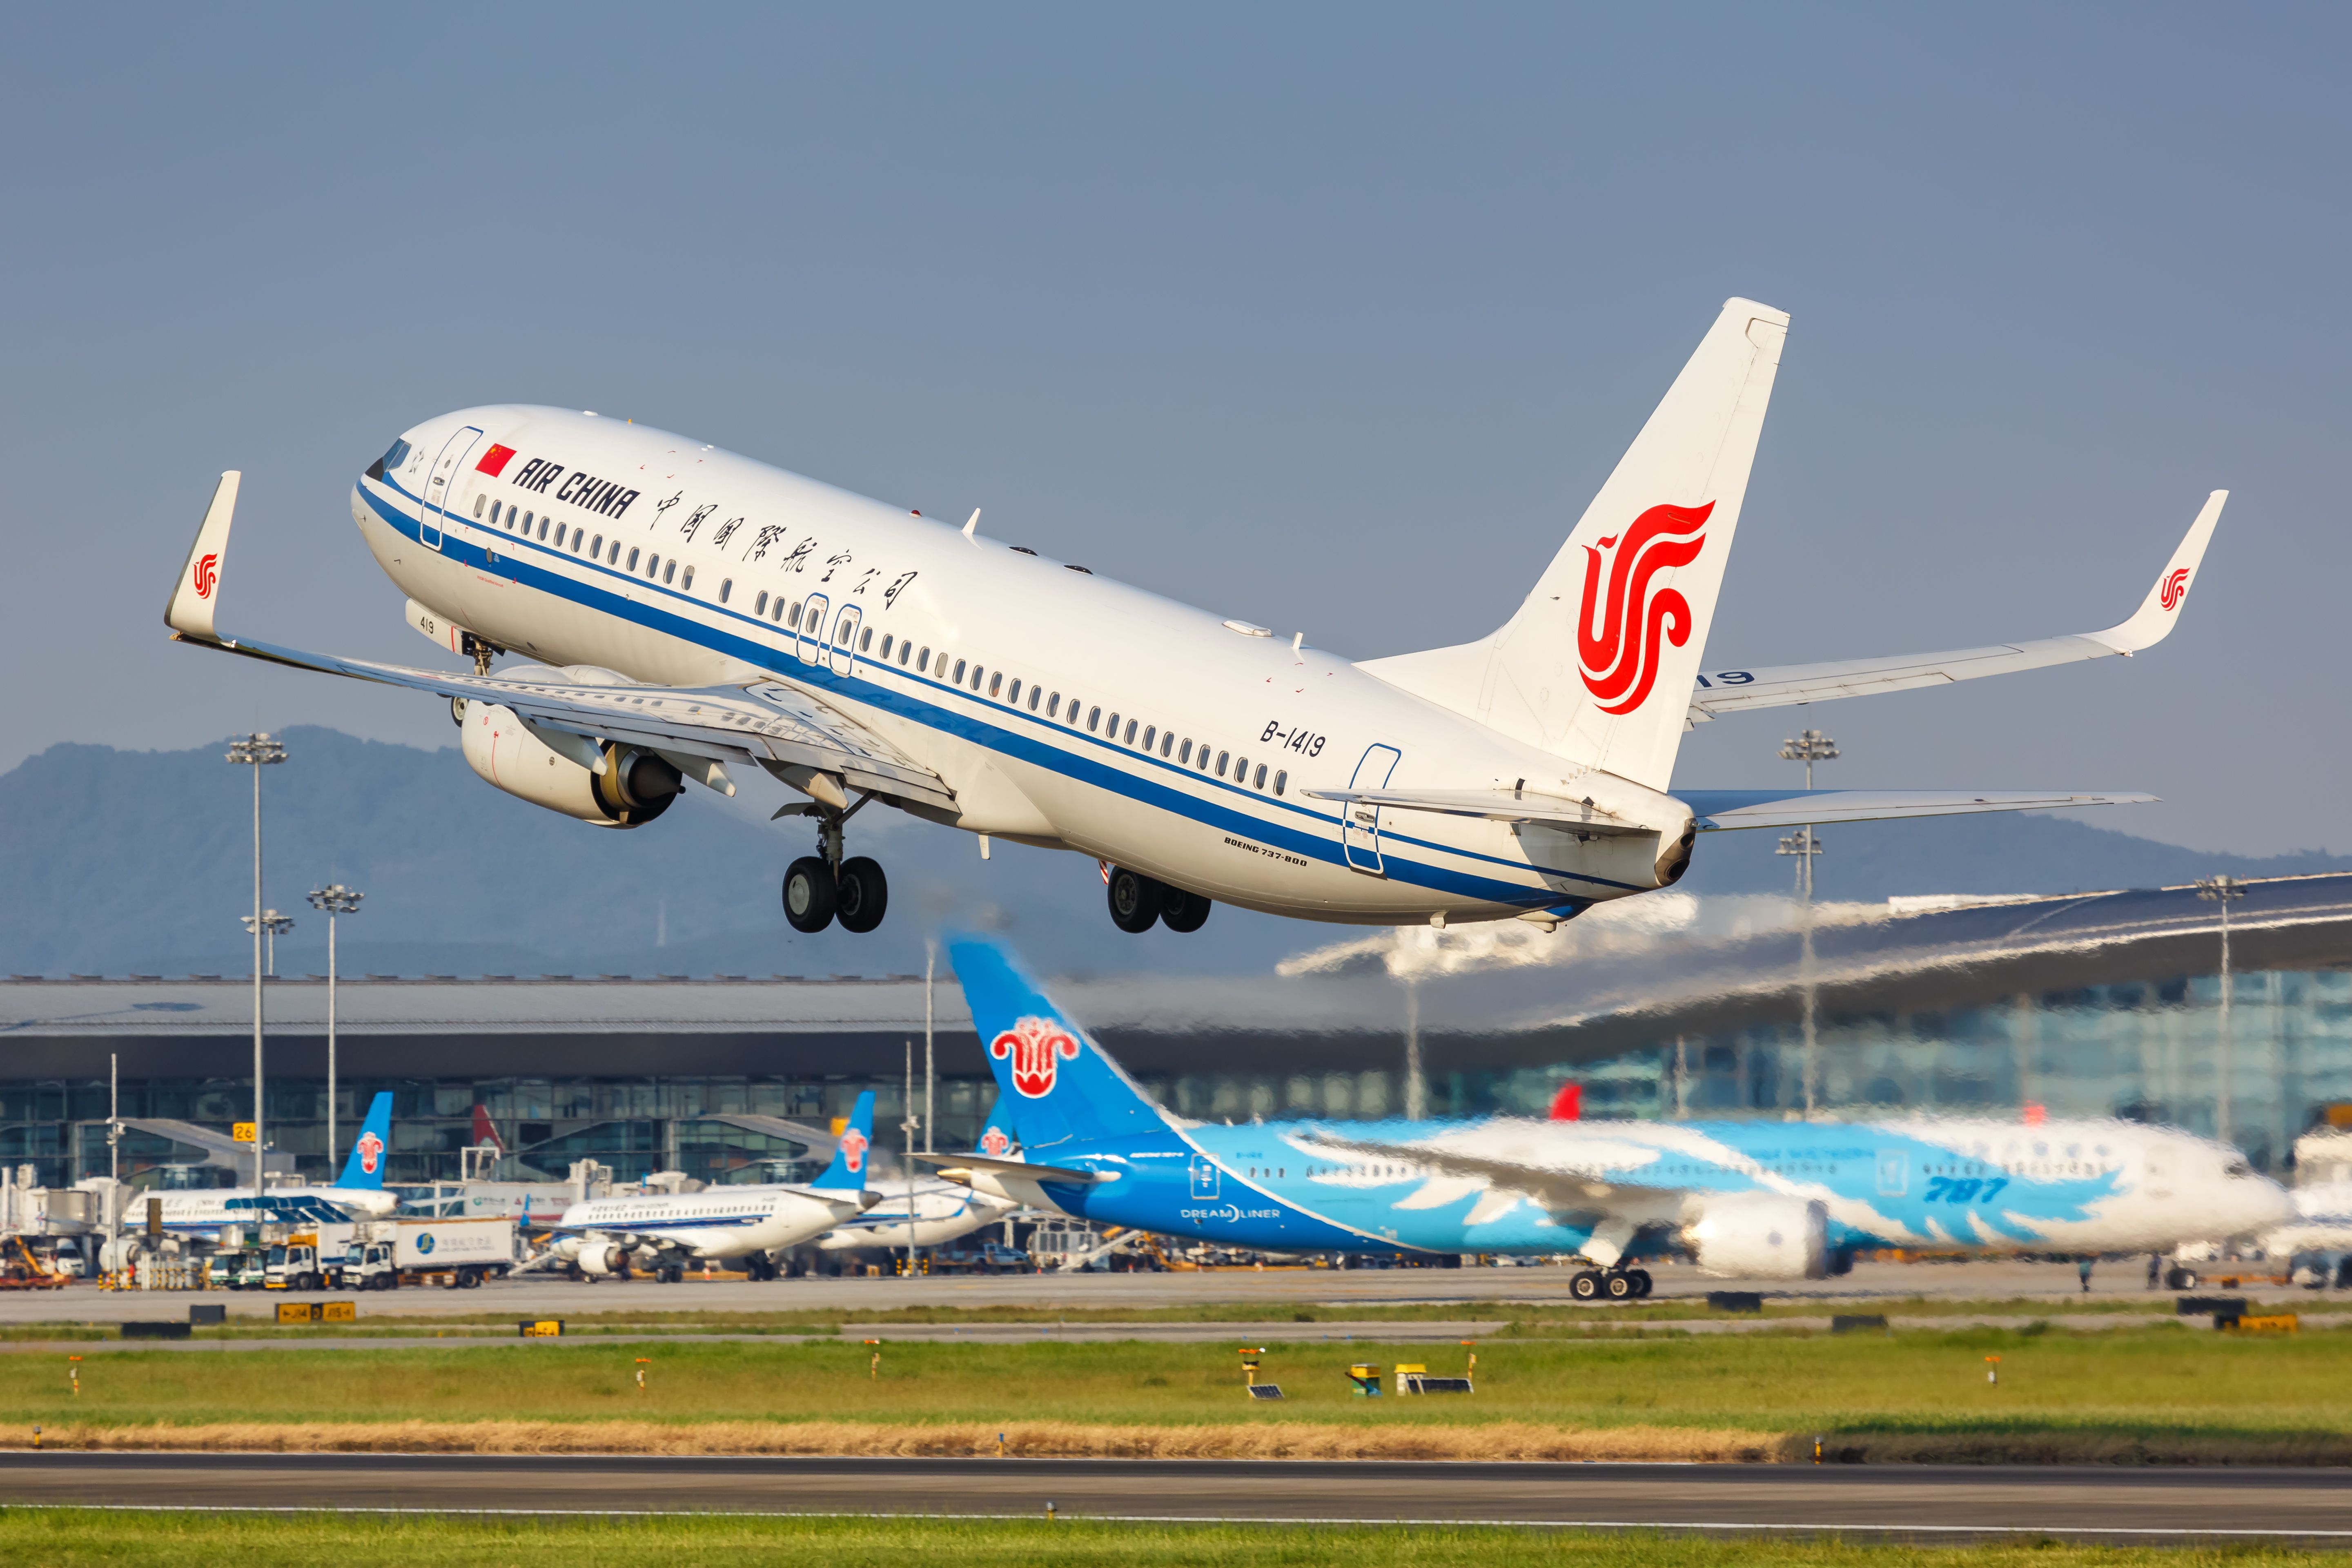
<point x="2155" y="1052"/>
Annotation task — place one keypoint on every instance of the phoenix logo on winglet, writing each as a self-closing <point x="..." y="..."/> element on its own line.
<point x="1621" y="664"/>
<point x="2176" y="588"/>
<point x="207" y="574"/>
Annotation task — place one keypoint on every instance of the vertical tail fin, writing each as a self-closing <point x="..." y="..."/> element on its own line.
<point x="848" y="1171"/>
<point x="997" y="1139"/>
<point x="1054" y="1084"/>
<point x="365" y="1169"/>
<point x="1600" y="661"/>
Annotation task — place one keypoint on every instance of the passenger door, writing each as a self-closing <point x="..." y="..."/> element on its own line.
<point x="845" y="639"/>
<point x="1894" y="1173"/>
<point x="811" y="647"/>
<point x="442" y="483"/>
<point x="1360" y="824"/>
<point x="1204" y="1176"/>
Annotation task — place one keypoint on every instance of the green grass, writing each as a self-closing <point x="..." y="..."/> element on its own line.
<point x="64" y="1538"/>
<point x="2160" y="1379"/>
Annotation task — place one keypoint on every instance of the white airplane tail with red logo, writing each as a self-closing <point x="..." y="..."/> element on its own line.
<point x="1600" y="662"/>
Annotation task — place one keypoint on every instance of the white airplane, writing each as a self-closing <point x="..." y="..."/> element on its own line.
<point x="661" y="1233"/>
<point x="679" y="611"/>
<point x="930" y="1211"/>
<point x="359" y="1191"/>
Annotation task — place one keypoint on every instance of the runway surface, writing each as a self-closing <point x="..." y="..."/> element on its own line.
<point x="1337" y="1290"/>
<point x="1910" y="1501"/>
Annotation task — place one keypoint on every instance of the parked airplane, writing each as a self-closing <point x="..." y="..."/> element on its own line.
<point x="679" y="610"/>
<point x="203" y="1211"/>
<point x="663" y="1232"/>
<point x="1756" y="1199"/>
<point x="929" y="1211"/>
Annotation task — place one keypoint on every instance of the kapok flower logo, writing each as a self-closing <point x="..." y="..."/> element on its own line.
<point x="1037" y="1048"/>
<point x="994" y="1142"/>
<point x="371" y="1153"/>
<point x="853" y="1151"/>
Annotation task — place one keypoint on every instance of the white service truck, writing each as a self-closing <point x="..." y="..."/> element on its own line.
<point x="456" y="1253"/>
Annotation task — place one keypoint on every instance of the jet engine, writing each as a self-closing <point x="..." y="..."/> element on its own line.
<point x="601" y="1258"/>
<point x="1761" y="1236"/>
<point x="607" y="784"/>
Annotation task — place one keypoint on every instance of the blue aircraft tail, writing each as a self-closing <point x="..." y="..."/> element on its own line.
<point x="848" y="1171"/>
<point x="1054" y="1084"/>
<point x="365" y="1169"/>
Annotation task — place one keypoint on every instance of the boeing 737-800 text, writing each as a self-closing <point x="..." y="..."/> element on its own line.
<point x="676" y="611"/>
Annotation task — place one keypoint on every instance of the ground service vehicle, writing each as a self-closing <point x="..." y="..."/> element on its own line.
<point x="240" y="1269"/>
<point x="456" y="1253"/>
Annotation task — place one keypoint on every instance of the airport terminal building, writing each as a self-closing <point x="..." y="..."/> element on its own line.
<point x="2098" y="1004"/>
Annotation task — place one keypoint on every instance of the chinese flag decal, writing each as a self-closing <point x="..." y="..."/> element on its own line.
<point x="494" y="461"/>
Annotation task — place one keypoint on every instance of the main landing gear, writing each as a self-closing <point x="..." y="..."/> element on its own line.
<point x="822" y="888"/>
<point x="1138" y="901"/>
<point x="1609" y="1284"/>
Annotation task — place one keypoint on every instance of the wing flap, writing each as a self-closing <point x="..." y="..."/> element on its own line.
<point x="1723" y="810"/>
<point x="1732" y="691"/>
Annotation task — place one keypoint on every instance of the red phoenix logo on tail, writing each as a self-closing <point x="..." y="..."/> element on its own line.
<point x="853" y="1151"/>
<point x="207" y="574"/>
<point x="371" y="1153"/>
<point x="1618" y="641"/>
<point x="2174" y="588"/>
<point x="1035" y="1047"/>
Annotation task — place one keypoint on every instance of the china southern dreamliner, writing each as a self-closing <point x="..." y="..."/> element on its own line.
<point x="1757" y="1199"/>
<point x="675" y="611"/>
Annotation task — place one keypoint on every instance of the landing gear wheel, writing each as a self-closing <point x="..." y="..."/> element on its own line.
<point x="810" y="894"/>
<point x="862" y="894"/>
<point x="1586" y="1286"/>
<point x="2181" y="1279"/>
<point x="673" y="1275"/>
<point x="1618" y="1287"/>
<point x="1641" y="1278"/>
<point x="1135" y="900"/>
<point x="1183" y="911"/>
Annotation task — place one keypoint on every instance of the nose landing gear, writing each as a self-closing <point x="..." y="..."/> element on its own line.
<point x="823" y="887"/>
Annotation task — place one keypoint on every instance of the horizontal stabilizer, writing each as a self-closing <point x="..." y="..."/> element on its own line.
<point x="1721" y="691"/>
<point x="1492" y="804"/>
<point x="952" y="1163"/>
<point x="1720" y="810"/>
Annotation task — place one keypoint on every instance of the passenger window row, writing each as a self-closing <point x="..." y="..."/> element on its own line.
<point x="669" y="570"/>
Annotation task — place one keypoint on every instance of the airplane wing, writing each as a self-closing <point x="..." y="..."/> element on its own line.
<point x="1733" y="690"/>
<point x="763" y="721"/>
<point x="1062" y="1176"/>
<point x="1720" y="810"/>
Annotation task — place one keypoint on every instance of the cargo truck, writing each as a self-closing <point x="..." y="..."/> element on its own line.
<point x="458" y="1253"/>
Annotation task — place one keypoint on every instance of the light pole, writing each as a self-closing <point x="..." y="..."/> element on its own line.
<point x="273" y="926"/>
<point x="1810" y="747"/>
<point x="335" y="900"/>
<point x="2224" y="892"/>
<point x="256" y="751"/>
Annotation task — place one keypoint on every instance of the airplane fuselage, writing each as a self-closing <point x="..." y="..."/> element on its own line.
<point x="1065" y="710"/>
<point x="715" y="1224"/>
<point x="1980" y="1186"/>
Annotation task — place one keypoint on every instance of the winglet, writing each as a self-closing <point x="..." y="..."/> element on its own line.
<point x="847" y="1174"/>
<point x="197" y="593"/>
<point x="2161" y="608"/>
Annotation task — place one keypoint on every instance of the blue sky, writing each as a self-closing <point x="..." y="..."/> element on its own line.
<point x="1332" y="318"/>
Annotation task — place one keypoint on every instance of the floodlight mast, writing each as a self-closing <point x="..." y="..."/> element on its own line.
<point x="336" y="900"/>
<point x="256" y="751"/>
<point x="2225" y="891"/>
<point x="1808" y="747"/>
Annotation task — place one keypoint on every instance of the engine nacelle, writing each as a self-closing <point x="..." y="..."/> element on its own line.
<point x="635" y="786"/>
<point x="600" y="1258"/>
<point x="1761" y="1236"/>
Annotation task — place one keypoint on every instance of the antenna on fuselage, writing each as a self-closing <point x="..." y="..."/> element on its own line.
<point x="972" y="523"/>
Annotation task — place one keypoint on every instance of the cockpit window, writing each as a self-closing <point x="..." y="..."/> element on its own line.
<point x="397" y="456"/>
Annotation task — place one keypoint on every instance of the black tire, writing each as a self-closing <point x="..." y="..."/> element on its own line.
<point x="1618" y="1287"/>
<point x="810" y="894"/>
<point x="1586" y="1286"/>
<point x="2181" y="1279"/>
<point x="471" y="1279"/>
<point x="1641" y="1282"/>
<point x="1183" y="911"/>
<point x="861" y="894"/>
<point x="1136" y="900"/>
